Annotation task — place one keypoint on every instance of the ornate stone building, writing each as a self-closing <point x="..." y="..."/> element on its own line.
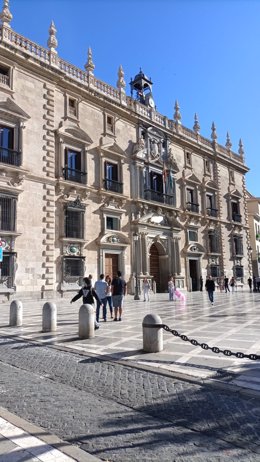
<point x="92" y="180"/>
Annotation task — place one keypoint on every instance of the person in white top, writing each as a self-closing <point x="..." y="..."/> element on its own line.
<point x="101" y="290"/>
<point x="146" y="289"/>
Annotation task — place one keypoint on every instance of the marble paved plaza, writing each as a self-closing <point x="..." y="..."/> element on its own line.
<point x="233" y="323"/>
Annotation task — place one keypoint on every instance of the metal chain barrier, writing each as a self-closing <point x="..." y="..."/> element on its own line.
<point x="204" y="346"/>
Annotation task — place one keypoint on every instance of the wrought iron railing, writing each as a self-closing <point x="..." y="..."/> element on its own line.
<point x="112" y="185"/>
<point x="192" y="207"/>
<point x="11" y="157"/>
<point x="74" y="175"/>
<point x="212" y="212"/>
<point x="157" y="196"/>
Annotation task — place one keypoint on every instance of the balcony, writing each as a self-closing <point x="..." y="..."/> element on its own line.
<point x="236" y="217"/>
<point x="151" y="195"/>
<point x="10" y="157"/>
<point x="112" y="185"/>
<point x="4" y="79"/>
<point x="212" y="212"/>
<point x="74" y="175"/>
<point x="192" y="207"/>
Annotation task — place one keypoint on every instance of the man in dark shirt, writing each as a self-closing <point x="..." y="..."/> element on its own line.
<point x="118" y="287"/>
<point x="210" y="287"/>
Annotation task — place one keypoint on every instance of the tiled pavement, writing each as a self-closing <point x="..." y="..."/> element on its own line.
<point x="232" y="323"/>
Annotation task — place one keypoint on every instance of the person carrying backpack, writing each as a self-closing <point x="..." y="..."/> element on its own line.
<point x="88" y="294"/>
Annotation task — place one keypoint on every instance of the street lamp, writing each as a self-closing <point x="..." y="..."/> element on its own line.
<point x="136" y="237"/>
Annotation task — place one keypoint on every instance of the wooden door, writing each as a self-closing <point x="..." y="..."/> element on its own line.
<point x="155" y="266"/>
<point x="111" y="264"/>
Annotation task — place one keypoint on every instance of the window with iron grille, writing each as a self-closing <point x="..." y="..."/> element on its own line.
<point x="214" y="271"/>
<point x="7" y="270"/>
<point x="73" y="269"/>
<point x="74" y="223"/>
<point x="238" y="245"/>
<point x="238" y="272"/>
<point x="7" y="213"/>
<point x="193" y="235"/>
<point x="213" y="242"/>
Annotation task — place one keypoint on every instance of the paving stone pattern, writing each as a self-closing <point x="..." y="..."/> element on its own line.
<point x="120" y="413"/>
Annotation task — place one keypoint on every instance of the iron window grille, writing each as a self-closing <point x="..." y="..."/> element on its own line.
<point x="7" y="213"/>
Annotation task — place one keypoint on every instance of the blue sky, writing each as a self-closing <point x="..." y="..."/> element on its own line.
<point x="204" y="53"/>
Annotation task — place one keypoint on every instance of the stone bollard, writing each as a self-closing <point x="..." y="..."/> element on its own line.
<point x="49" y="317"/>
<point x="86" y="321"/>
<point x="152" y="335"/>
<point x="16" y="313"/>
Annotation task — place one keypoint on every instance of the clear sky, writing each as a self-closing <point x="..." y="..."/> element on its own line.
<point x="203" y="53"/>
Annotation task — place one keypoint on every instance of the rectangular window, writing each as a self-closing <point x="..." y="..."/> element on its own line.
<point x="111" y="182"/>
<point x="191" y="203"/>
<point x="193" y="236"/>
<point x="239" y="272"/>
<point x="188" y="158"/>
<point x="4" y="75"/>
<point x="8" y="155"/>
<point x="74" y="170"/>
<point x="238" y="245"/>
<point x="207" y="165"/>
<point x="73" y="269"/>
<point x="74" y="223"/>
<point x="72" y="107"/>
<point x="156" y="182"/>
<point x="7" y="213"/>
<point x="7" y="272"/>
<point x="214" y="271"/>
<point x="213" y="242"/>
<point x="235" y="211"/>
<point x="110" y="124"/>
<point x="112" y="223"/>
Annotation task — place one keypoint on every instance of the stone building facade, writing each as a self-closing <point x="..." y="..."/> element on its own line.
<point x="93" y="180"/>
<point x="253" y="206"/>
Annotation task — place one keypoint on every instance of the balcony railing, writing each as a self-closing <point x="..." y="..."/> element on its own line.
<point x="112" y="185"/>
<point x="212" y="212"/>
<point x="6" y="282"/>
<point x="8" y="156"/>
<point x="74" y="175"/>
<point x="192" y="207"/>
<point x="4" y="79"/>
<point x="151" y="195"/>
<point x="236" y="217"/>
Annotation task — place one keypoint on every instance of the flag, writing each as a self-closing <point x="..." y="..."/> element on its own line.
<point x="164" y="173"/>
<point x="170" y="179"/>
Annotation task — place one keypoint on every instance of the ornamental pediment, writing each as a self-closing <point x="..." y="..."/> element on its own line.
<point x="211" y="184"/>
<point x="235" y="193"/>
<point x="113" y="239"/>
<point x="75" y="133"/>
<point x="10" y="109"/>
<point x="113" y="148"/>
<point x="193" y="179"/>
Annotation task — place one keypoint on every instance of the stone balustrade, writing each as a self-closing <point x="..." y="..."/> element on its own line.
<point x="46" y="56"/>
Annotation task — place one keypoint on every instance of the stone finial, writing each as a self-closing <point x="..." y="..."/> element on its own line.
<point x="228" y="143"/>
<point x="241" y="151"/>
<point x="121" y="81"/>
<point x="89" y="66"/>
<point x="177" y="114"/>
<point x="214" y="135"/>
<point x="5" y="15"/>
<point x="52" y="41"/>
<point x="196" y="126"/>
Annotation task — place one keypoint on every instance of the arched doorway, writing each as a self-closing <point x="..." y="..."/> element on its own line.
<point x="155" y="266"/>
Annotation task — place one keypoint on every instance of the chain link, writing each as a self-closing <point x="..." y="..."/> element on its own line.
<point x="204" y="346"/>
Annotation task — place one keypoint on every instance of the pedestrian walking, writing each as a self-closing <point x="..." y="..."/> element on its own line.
<point x="88" y="294"/>
<point x="101" y="290"/>
<point x="109" y="294"/>
<point x="232" y="284"/>
<point x="146" y="289"/>
<point x="118" y="287"/>
<point x="254" y="284"/>
<point x="171" y="288"/>
<point x="210" y="287"/>
<point x="249" y="281"/>
<point x="226" y="286"/>
<point x="258" y="283"/>
<point x="201" y="283"/>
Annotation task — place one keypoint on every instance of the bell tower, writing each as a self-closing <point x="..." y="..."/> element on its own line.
<point x="142" y="86"/>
